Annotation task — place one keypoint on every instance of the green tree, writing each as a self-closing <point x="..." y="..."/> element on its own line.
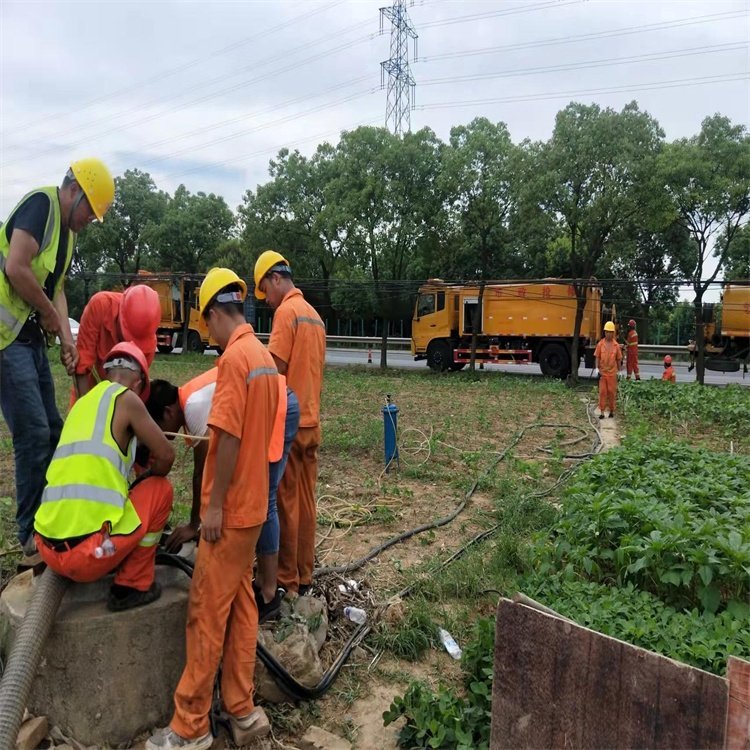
<point x="707" y="178"/>
<point x="738" y="256"/>
<point x="191" y="232"/>
<point x="479" y="183"/>
<point x="588" y="176"/>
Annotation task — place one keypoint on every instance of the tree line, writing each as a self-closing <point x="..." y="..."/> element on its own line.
<point x="606" y="196"/>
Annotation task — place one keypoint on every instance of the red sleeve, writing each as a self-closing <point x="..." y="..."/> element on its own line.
<point x="88" y="333"/>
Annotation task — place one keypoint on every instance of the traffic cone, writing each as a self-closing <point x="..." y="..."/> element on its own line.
<point x="369" y="356"/>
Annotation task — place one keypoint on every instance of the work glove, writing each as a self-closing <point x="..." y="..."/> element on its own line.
<point x="595" y="373"/>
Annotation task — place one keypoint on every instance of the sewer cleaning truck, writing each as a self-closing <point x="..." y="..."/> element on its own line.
<point x="727" y="341"/>
<point x="519" y="322"/>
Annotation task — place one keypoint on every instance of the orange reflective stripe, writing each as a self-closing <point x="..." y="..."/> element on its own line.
<point x="276" y="447"/>
<point x="184" y="392"/>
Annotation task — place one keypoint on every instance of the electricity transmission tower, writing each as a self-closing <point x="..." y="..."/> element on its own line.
<point x="400" y="80"/>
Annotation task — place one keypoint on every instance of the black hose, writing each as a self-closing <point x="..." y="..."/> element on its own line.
<point x="26" y="653"/>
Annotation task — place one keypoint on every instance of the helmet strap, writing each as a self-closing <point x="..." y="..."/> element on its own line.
<point x="76" y="203"/>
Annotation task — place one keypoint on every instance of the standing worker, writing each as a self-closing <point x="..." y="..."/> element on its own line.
<point x="89" y="522"/>
<point x="632" y="355"/>
<point x="298" y="346"/>
<point x="108" y="319"/>
<point x="608" y="362"/>
<point x="222" y="624"/>
<point x="36" y="245"/>
<point x="669" y="374"/>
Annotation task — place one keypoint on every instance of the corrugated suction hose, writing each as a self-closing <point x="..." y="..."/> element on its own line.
<point x="23" y="661"/>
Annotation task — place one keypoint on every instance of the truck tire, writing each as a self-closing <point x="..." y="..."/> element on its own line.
<point x="165" y="348"/>
<point x="554" y="360"/>
<point x="439" y="356"/>
<point x="194" y="342"/>
<point x="456" y="366"/>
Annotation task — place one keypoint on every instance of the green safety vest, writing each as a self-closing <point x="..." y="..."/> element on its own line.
<point x="14" y="310"/>
<point x="87" y="480"/>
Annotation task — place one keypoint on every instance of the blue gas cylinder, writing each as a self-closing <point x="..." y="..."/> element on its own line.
<point x="390" y="432"/>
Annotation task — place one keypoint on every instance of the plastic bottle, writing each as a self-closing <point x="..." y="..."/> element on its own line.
<point x="355" y="614"/>
<point x="106" y="549"/>
<point x="450" y="645"/>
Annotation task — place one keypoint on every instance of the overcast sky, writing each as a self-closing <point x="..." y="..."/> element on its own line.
<point x="205" y="93"/>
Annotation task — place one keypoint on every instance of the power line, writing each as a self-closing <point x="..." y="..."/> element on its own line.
<point x="494" y="14"/>
<point x="172" y="71"/>
<point x="689" y="51"/>
<point x="552" y="41"/>
<point x="654" y="85"/>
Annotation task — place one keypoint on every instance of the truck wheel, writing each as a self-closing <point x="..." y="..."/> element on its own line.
<point x="554" y="361"/>
<point x="439" y="356"/>
<point x="456" y="366"/>
<point x="194" y="342"/>
<point x="165" y="348"/>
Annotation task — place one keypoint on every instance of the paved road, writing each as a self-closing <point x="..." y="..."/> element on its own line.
<point x="404" y="360"/>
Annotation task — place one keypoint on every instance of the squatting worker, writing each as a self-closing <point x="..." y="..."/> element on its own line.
<point x="298" y="346"/>
<point x="89" y="522"/>
<point x="631" y="358"/>
<point x="111" y="317"/>
<point x="669" y="374"/>
<point x="222" y="624"/>
<point x="36" y="245"/>
<point x="188" y="407"/>
<point x="608" y="362"/>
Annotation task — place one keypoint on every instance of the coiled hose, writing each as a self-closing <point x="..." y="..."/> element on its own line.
<point x="26" y="653"/>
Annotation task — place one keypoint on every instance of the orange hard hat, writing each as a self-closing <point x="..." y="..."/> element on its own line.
<point x="140" y="313"/>
<point x="667" y="360"/>
<point x="631" y="323"/>
<point x="132" y="352"/>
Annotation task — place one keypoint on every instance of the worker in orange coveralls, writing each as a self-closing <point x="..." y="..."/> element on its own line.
<point x="222" y="623"/>
<point x="90" y="522"/>
<point x="631" y="362"/>
<point x="108" y="319"/>
<point x="298" y="347"/>
<point x="608" y="362"/>
<point x="669" y="374"/>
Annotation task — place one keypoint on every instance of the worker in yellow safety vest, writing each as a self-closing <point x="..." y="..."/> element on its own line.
<point x="36" y="246"/>
<point x="90" y="522"/>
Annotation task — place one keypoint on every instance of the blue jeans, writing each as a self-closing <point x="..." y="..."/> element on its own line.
<point x="27" y="398"/>
<point x="268" y="543"/>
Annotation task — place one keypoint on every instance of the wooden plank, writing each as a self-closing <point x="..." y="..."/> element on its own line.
<point x="558" y="684"/>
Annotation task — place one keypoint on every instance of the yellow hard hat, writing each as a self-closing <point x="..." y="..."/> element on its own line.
<point x="609" y="326"/>
<point x="96" y="182"/>
<point x="263" y="265"/>
<point x="216" y="280"/>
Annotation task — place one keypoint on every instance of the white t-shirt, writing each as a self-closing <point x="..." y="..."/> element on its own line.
<point x="197" y="408"/>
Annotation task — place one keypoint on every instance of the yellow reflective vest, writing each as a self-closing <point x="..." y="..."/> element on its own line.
<point x="87" y="480"/>
<point x="14" y="310"/>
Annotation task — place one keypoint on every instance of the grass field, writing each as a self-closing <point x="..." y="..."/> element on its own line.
<point x="513" y="434"/>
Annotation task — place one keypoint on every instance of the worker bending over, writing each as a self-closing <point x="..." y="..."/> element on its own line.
<point x="631" y="361"/>
<point x="89" y="523"/>
<point x="608" y="362"/>
<point x="36" y="246"/>
<point x="669" y="374"/>
<point x="298" y="347"/>
<point x="188" y="407"/>
<point x="111" y="317"/>
<point x="222" y="624"/>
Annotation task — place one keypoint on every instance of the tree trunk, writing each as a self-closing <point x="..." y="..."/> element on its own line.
<point x="476" y="325"/>
<point x="700" y="339"/>
<point x="384" y="344"/>
<point x="574" y="356"/>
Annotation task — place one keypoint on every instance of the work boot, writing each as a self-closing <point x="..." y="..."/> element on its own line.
<point x="304" y="589"/>
<point x="247" y="728"/>
<point x="601" y="416"/>
<point x="125" y="597"/>
<point x="269" y="610"/>
<point x="31" y="556"/>
<point x="168" y="739"/>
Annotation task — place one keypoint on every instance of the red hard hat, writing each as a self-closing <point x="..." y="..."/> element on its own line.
<point x="667" y="360"/>
<point x="140" y="313"/>
<point x="132" y="351"/>
<point x="631" y="323"/>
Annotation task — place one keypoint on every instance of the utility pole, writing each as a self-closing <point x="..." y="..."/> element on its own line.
<point x="400" y="80"/>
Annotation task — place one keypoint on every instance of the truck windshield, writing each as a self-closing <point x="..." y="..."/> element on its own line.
<point x="425" y="305"/>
